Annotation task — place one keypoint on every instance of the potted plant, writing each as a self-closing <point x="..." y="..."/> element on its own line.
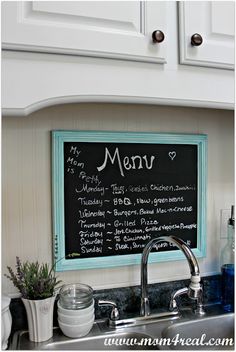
<point x="36" y="283"/>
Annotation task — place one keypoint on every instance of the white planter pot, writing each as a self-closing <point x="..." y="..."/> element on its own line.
<point x="40" y="318"/>
<point x="6" y="321"/>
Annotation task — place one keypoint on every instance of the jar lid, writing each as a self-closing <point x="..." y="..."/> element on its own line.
<point x="5" y="303"/>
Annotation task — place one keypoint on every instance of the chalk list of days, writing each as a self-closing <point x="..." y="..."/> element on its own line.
<point x="119" y="217"/>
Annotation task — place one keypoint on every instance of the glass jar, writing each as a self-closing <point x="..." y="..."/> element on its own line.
<point x="76" y="296"/>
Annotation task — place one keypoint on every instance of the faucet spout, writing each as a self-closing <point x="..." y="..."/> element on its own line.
<point x="193" y="265"/>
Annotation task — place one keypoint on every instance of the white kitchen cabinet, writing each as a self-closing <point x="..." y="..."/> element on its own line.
<point x="68" y="52"/>
<point x="113" y="29"/>
<point x="214" y="21"/>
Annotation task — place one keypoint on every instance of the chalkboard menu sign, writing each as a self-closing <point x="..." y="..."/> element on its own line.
<point x="113" y="192"/>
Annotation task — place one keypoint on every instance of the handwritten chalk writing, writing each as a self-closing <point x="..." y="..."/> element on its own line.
<point x="74" y="162"/>
<point x="160" y="245"/>
<point x="88" y="189"/>
<point x="184" y="188"/>
<point x="157" y="246"/>
<point x="120" y="201"/>
<point x="146" y="211"/>
<point x="117" y="189"/>
<point x="136" y="238"/>
<point x="157" y="201"/>
<point x="119" y="246"/>
<point x="138" y="246"/>
<point x="87" y="213"/>
<point x="153" y="229"/>
<point x="87" y="242"/>
<point x="126" y="213"/>
<point x="144" y="221"/>
<point x="119" y="198"/>
<point x="138" y="189"/>
<point x="90" y="179"/>
<point x="70" y="170"/>
<point x="161" y="188"/>
<point x="161" y="211"/>
<point x="189" y="227"/>
<point x="74" y="150"/>
<point x="176" y="199"/>
<point x="171" y="227"/>
<point x="83" y="224"/>
<point x="94" y="249"/>
<point x="133" y="162"/>
<point x="92" y="234"/>
<point x="188" y="242"/>
<point x="172" y="155"/>
<point x="117" y="223"/>
<point x="143" y="201"/>
<point x="174" y="210"/>
<point x="127" y="230"/>
<point x="180" y="209"/>
<point x="94" y="201"/>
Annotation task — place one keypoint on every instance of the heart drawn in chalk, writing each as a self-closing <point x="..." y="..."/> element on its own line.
<point x="172" y="155"/>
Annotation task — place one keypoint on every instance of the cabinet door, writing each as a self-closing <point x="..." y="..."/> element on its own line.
<point x="214" y="21"/>
<point x="114" y="29"/>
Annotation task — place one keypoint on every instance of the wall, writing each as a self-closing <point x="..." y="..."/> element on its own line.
<point x="26" y="180"/>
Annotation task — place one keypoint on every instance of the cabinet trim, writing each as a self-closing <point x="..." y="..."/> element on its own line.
<point x="113" y="99"/>
<point x="86" y="53"/>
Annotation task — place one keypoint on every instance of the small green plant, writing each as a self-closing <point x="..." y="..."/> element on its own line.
<point x="34" y="281"/>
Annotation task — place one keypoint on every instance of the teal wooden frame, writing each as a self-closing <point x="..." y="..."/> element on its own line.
<point x="58" y="139"/>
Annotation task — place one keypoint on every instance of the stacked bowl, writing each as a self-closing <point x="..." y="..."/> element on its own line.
<point x="75" y="309"/>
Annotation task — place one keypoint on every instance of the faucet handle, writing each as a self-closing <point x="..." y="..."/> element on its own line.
<point x="173" y="303"/>
<point x="114" y="312"/>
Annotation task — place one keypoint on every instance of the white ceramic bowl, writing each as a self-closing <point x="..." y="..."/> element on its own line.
<point x="75" y="312"/>
<point x="74" y="320"/>
<point x="75" y="331"/>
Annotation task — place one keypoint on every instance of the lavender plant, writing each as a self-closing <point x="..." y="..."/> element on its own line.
<point x="34" y="281"/>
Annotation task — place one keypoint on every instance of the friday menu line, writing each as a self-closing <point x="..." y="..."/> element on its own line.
<point x="120" y="196"/>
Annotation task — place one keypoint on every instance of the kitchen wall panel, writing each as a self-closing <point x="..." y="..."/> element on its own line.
<point x="26" y="180"/>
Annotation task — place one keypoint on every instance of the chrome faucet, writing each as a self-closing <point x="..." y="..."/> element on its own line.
<point x="194" y="291"/>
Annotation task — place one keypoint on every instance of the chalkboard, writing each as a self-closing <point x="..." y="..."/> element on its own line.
<point x="113" y="192"/>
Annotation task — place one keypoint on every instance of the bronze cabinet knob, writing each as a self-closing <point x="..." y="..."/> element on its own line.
<point x="158" y="36"/>
<point x="196" y="39"/>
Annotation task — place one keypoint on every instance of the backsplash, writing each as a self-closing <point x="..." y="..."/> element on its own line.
<point x="128" y="299"/>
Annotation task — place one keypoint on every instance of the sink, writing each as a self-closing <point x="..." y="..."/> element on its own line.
<point x="164" y="334"/>
<point x="116" y="340"/>
<point x="213" y="333"/>
<point x="123" y="341"/>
